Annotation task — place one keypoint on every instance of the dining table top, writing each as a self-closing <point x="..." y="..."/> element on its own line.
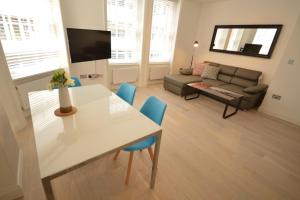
<point x="102" y="124"/>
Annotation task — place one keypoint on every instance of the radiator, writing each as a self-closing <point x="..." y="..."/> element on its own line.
<point x="157" y="73"/>
<point x="35" y="85"/>
<point x="128" y="74"/>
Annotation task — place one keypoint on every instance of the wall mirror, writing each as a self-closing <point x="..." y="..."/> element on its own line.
<point x="248" y="40"/>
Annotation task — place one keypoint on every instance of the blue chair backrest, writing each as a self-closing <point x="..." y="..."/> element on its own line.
<point x="126" y="91"/>
<point x="154" y="109"/>
<point x="77" y="82"/>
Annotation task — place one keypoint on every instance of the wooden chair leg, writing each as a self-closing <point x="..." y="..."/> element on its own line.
<point x="129" y="167"/>
<point x="151" y="153"/>
<point x="117" y="154"/>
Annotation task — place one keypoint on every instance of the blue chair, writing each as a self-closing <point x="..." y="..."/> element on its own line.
<point x="126" y="92"/>
<point x="77" y="82"/>
<point x="154" y="109"/>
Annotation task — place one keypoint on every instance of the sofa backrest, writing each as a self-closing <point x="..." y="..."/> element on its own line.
<point x="226" y="73"/>
<point x="236" y="75"/>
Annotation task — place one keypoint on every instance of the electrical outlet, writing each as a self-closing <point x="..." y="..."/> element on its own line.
<point x="291" y="61"/>
<point x="95" y="76"/>
<point x="98" y="75"/>
<point x="276" y="96"/>
<point x="83" y="76"/>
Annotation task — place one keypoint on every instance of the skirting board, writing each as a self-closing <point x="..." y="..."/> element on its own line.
<point x="15" y="191"/>
<point x="279" y="117"/>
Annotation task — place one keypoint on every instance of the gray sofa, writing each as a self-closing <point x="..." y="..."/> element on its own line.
<point x="235" y="79"/>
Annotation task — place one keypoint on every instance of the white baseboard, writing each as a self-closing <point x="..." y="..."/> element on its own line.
<point x="20" y="170"/>
<point x="154" y="82"/>
<point x="279" y="116"/>
<point x="14" y="191"/>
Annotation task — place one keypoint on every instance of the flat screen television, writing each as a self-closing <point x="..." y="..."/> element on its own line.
<point x="88" y="45"/>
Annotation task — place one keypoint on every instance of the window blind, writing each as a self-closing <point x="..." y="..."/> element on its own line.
<point x="163" y="30"/>
<point x="123" y="22"/>
<point x="29" y="32"/>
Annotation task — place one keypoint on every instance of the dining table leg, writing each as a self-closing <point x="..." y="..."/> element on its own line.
<point x="48" y="188"/>
<point x="155" y="160"/>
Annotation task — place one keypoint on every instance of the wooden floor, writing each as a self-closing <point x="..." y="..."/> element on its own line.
<point x="247" y="157"/>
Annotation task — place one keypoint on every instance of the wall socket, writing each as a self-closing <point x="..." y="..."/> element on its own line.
<point x="83" y="76"/>
<point x="94" y="76"/>
<point x="276" y="96"/>
<point x="90" y="76"/>
<point x="291" y="61"/>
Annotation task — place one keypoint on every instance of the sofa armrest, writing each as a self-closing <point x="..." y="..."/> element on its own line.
<point x="256" y="89"/>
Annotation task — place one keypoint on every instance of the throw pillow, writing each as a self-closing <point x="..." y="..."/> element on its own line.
<point x="210" y="72"/>
<point x="186" y="71"/>
<point x="198" y="69"/>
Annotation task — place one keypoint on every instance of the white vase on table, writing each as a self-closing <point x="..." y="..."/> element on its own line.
<point x="64" y="100"/>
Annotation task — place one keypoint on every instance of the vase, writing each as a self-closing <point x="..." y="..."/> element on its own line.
<point x="64" y="100"/>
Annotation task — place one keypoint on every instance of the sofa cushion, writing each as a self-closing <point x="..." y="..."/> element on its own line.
<point x="186" y="71"/>
<point x="243" y="82"/>
<point x="198" y="69"/>
<point x="251" y="75"/>
<point x="210" y="72"/>
<point x="228" y="70"/>
<point x="239" y="90"/>
<point x="224" y="78"/>
<point x="212" y="82"/>
<point x="180" y="80"/>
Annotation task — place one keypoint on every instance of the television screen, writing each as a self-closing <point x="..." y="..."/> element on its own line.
<point x="87" y="45"/>
<point x="252" y="48"/>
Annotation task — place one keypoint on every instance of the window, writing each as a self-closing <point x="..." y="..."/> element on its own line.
<point x="123" y="22"/>
<point x="163" y="30"/>
<point x="29" y="33"/>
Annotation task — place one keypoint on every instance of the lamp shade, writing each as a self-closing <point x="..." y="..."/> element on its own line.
<point x="196" y="44"/>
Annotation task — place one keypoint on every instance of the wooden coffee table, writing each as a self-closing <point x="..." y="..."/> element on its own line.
<point x="222" y="95"/>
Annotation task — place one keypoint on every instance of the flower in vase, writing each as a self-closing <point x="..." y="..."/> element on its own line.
<point x="60" y="79"/>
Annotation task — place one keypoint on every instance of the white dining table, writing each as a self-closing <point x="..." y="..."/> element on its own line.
<point x="103" y="123"/>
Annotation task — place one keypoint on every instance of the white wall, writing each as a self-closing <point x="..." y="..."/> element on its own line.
<point x="87" y="14"/>
<point x="186" y="34"/>
<point x="91" y="14"/>
<point x="286" y="82"/>
<point x="246" y="12"/>
<point x="10" y="160"/>
<point x="9" y="96"/>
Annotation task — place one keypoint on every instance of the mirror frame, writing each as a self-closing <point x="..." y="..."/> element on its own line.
<point x="276" y="26"/>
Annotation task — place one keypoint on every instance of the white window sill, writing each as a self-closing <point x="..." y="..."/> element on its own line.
<point x="33" y="77"/>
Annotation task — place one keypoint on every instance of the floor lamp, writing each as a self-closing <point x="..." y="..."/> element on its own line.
<point x="196" y="44"/>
